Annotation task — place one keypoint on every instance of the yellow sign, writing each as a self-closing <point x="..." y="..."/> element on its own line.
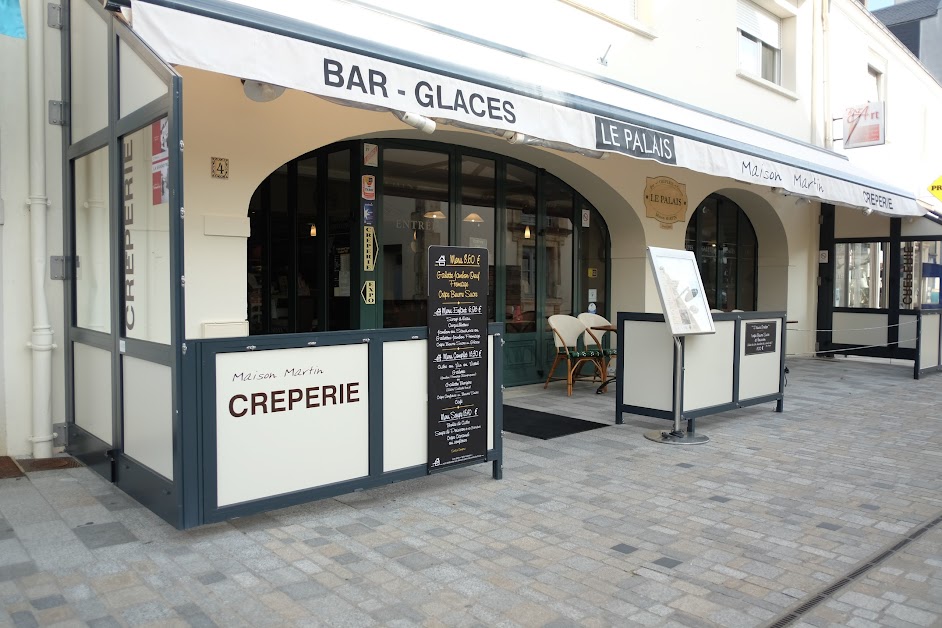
<point x="936" y="188"/>
<point x="368" y="292"/>
<point x="665" y="200"/>
<point x="369" y="248"/>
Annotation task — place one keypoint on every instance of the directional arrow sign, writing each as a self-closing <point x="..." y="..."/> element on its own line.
<point x="368" y="292"/>
<point x="369" y="248"/>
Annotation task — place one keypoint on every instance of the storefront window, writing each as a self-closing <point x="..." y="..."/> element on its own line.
<point x="92" y="242"/>
<point x="146" y="225"/>
<point x="520" y="249"/>
<point x="594" y="259"/>
<point x="415" y="216"/>
<point x="724" y="241"/>
<point x="478" y="208"/>
<point x="921" y="267"/>
<point x="860" y="276"/>
<point x="340" y="206"/>
<point x="558" y="245"/>
<point x="302" y="274"/>
<point x="305" y="186"/>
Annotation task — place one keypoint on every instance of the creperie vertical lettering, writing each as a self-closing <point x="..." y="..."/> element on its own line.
<point x="289" y="399"/>
<point x="128" y="241"/>
<point x="906" y="289"/>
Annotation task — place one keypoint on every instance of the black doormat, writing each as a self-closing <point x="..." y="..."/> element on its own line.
<point x="31" y="465"/>
<point x="542" y="424"/>
<point x="8" y="468"/>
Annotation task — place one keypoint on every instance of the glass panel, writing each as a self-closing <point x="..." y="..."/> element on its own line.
<point x="146" y="241"/>
<point x="88" y="104"/>
<point x="860" y="275"/>
<point x="770" y="57"/>
<point x="308" y="273"/>
<point x="690" y="237"/>
<point x="339" y="226"/>
<point x="138" y="84"/>
<point x="280" y="256"/>
<point x="92" y="242"/>
<point x="93" y="390"/>
<point x="558" y="243"/>
<point x="707" y="253"/>
<point x="748" y="54"/>
<point x="478" y="202"/>
<point x="922" y="269"/>
<point x="257" y="276"/>
<point x="748" y="256"/>
<point x="520" y="249"/>
<point x="415" y="216"/>
<point x="593" y="264"/>
<point x="726" y="255"/>
<point x="148" y="415"/>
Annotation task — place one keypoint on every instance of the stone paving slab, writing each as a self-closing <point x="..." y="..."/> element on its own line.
<point x="601" y="528"/>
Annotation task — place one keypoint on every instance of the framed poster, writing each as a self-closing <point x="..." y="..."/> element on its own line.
<point x="680" y="288"/>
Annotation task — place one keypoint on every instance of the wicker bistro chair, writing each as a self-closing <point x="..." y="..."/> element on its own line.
<point x="593" y="338"/>
<point x="566" y="333"/>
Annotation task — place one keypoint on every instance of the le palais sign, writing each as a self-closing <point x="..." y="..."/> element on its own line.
<point x="665" y="200"/>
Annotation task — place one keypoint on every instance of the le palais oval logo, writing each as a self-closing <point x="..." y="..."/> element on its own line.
<point x="665" y="200"/>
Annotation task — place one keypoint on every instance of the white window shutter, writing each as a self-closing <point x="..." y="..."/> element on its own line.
<point x="753" y="19"/>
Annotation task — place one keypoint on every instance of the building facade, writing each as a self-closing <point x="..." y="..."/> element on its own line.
<point x="205" y="193"/>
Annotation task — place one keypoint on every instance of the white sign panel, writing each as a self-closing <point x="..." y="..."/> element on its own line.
<point x="290" y="419"/>
<point x="681" y="291"/>
<point x="864" y="125"/>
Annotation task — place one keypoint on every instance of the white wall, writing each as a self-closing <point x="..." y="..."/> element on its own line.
<point x="687" y="51"/>
<point x="15" y="292"/>
<point x="912" y="155"/>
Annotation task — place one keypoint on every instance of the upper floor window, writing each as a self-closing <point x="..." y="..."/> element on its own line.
<point x="760" y="42"/>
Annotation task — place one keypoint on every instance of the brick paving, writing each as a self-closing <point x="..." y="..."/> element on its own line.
<point x="600" y="528"/>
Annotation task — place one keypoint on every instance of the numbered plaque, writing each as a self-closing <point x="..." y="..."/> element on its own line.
<point x="457" y="355"/>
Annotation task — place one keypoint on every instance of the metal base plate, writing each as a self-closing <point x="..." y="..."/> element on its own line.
<point x="676" y="438"/>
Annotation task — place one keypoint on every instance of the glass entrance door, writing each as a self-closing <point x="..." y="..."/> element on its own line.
<point x="522" y="348"/>
<point x="539" y="279"/>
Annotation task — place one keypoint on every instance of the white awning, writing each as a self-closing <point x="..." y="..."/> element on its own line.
<point x="322" y="48"/>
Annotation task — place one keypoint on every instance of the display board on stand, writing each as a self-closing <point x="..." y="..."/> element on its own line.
<point x="457" y="356"/>
<point x="687" y="312"/>
<point x="680" y="289"/>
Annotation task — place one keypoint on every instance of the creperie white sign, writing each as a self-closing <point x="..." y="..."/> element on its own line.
<point x="864" y="125"/>
<point x="300" y="414"/>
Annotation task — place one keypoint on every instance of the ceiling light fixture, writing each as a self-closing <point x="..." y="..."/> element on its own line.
<point x="473" y="217"/>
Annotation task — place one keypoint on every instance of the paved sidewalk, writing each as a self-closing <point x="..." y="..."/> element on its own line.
<point x="601" y="528"/>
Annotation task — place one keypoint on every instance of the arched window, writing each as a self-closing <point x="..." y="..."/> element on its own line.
<point x="724" y="242"/>
<point x="548" y="248"/>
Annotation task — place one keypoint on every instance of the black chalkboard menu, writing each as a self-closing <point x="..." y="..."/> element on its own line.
<point x="457" y="355"/>
<point x="760" y="337"/>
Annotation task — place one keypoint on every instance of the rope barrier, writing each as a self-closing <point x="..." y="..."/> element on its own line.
<point x="817" y="353"/>
<point x="853" y="348"/>
<point x="859" y="328"/>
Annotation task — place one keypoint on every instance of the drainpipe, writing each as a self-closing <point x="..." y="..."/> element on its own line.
<point x="41" y="340"/>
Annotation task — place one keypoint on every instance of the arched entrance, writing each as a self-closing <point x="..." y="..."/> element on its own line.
<point x="548" y="247"/>
<point x="724" y="241"/>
